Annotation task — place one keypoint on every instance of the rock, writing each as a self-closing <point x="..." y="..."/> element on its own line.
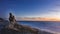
<point x="1" y="19"/>
<point x="20" y="29"/>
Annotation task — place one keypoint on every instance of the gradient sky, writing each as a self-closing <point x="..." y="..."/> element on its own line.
<point x="30" y="8"/>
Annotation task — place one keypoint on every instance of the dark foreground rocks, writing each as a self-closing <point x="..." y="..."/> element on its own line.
<point x="20" y="29"/>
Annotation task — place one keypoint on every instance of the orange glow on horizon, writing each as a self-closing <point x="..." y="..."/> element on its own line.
<point x="39" y="19"/>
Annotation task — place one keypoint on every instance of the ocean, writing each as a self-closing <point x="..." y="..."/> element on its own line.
<point x="49" y="26"/>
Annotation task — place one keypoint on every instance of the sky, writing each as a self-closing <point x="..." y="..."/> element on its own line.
<point x="30" y="8"/>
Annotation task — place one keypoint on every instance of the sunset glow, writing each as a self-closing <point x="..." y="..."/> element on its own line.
<point x="40" y="10"/>
<point x="39" y="19"/>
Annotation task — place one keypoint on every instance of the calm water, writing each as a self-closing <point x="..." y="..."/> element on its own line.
<point x="53" y="27"/>
<point x="46" y="26"/>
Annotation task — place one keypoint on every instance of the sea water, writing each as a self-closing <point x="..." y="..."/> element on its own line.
<point x="50" y="26"/>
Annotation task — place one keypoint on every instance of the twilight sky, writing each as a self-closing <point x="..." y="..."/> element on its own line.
<point x="30" y="8"/>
